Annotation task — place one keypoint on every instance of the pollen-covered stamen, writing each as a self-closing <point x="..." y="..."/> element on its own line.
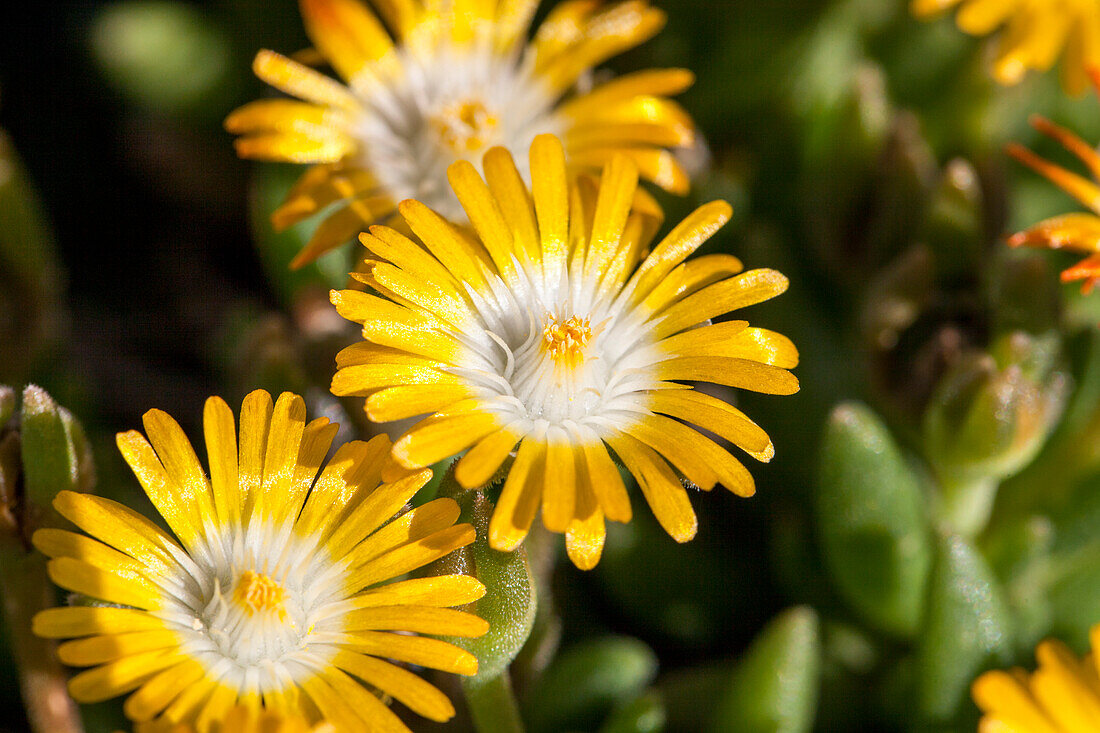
<point x="566" y="340"/>
<point x="257" y="593"/>
<point x="466" y="126"/>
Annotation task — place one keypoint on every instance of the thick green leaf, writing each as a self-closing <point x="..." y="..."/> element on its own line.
<point x="589" y="679"/>
<point x="774" y="687"/>
<point x="871" y="522"/>
<point x="967" y="629"/>
<point x="645" y="714"/>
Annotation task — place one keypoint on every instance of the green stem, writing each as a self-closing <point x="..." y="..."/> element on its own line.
<point x="492" y="704"/>
<point x="26" y="590"/>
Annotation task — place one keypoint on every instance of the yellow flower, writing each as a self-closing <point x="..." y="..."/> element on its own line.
<point x="1035" y="33"/>
<point x="1061" y="696"/>
<point x="272" y="592"/>
<point x="455" y="79"/>
<point x="241" y="719"/>
<point x="1078" y="232"/>
<point x="553" y="330"/>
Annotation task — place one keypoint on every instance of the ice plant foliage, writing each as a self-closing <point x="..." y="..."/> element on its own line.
<point x="1061" y="696"/>
<point x="552" y="334"/>
<point x="1078" y="232"/>
<point x="1035" y="33"/>
<point x="273" y="591"/>
<point x="446" y="82"/>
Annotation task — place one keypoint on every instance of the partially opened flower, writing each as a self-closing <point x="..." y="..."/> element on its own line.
<point x="1061" y="696"/>
<point x="446" y="82"/>
<point x="553" y="334"/>
<point x="273" y="591"/>
<point x="1034" y="34"/>
<point x="1078" y="232"/>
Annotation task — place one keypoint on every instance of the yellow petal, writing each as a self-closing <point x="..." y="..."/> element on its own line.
<point x="347" y="33"/>
<point x="519" y="499"/>
<point x="430" y="442"/>
<point x="412" y="691"/>
<point x="662" y="490"/>
<point x="750" y="288"/>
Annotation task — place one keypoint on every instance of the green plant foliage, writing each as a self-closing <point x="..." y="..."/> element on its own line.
<point x="774" y="687"/>
<point x="587" y="680"/>
<point x="871" y="522"/>
<point x="967" y="629"/>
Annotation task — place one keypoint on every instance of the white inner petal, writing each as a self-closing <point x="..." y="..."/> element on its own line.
<point x="509" y="359"/>
<point x="272" y="637"/>
<point x="430" y="109"/>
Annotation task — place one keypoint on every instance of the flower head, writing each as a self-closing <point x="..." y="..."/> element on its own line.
<point x="1035" y="33"/>
<point x="453" y="80"/>
<point x="1078" y="232"/>
<point x="554" y="334"/>
<point x="1061" y="696"/>
<point x="273" y="591"/>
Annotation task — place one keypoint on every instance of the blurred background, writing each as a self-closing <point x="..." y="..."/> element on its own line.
<point x="862" y="151"/>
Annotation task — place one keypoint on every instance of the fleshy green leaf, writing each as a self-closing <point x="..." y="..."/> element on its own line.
<point x="645" y="714"/>
<point x="774" y="687"/>
<point x="966" y="630"/>
<point x="871" y="522"/>
<point x="587" y="680"/>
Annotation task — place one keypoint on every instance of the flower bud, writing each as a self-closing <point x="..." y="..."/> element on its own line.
<point x="510" y="598"/>
<point x="991" y="412"/>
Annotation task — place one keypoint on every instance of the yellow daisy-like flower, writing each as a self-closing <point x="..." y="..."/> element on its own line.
<point x="1078" y="232"/>
<point x="1035" y="33"/>
<point x="453" y="80"/>
<point x="243" y="719"/>
<point x="1061" y="696"/>
<point x="273" y="592"/>
<point x="553" y="330"/>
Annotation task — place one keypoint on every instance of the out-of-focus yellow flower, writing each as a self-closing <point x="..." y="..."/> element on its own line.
<point x="274" y="590"/>
<point x="1078" y="232"/>
<point x="1061" y="696"/>
<point x="446" y="82"/>
<point x="242" y="719"/>
<point x="553" y="333"/>
<point x="1035" y="33"/>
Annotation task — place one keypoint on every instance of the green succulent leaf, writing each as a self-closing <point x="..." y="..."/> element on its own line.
<point x="589" y="679"/>
<point x="967" y="629"/>
<point x="774" y="687"/>
<point x="871" y="522"/>
<point x="644" y="714"/>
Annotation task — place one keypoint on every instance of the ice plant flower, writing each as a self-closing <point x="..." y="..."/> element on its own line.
<point x="242" y="719"/>
<point x="273" y="591"/>
<point x="553" y="330"/>
<point x="453" y="80"/>
<point x="1078" y="232"/>
<point x="1061" y="696"/>
<point x="1035" y="33"/>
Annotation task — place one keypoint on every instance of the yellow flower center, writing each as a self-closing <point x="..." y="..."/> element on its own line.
<point x="258" y="593"/>
<point x="566" y="340"/>
<point x="465" y="127"/>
